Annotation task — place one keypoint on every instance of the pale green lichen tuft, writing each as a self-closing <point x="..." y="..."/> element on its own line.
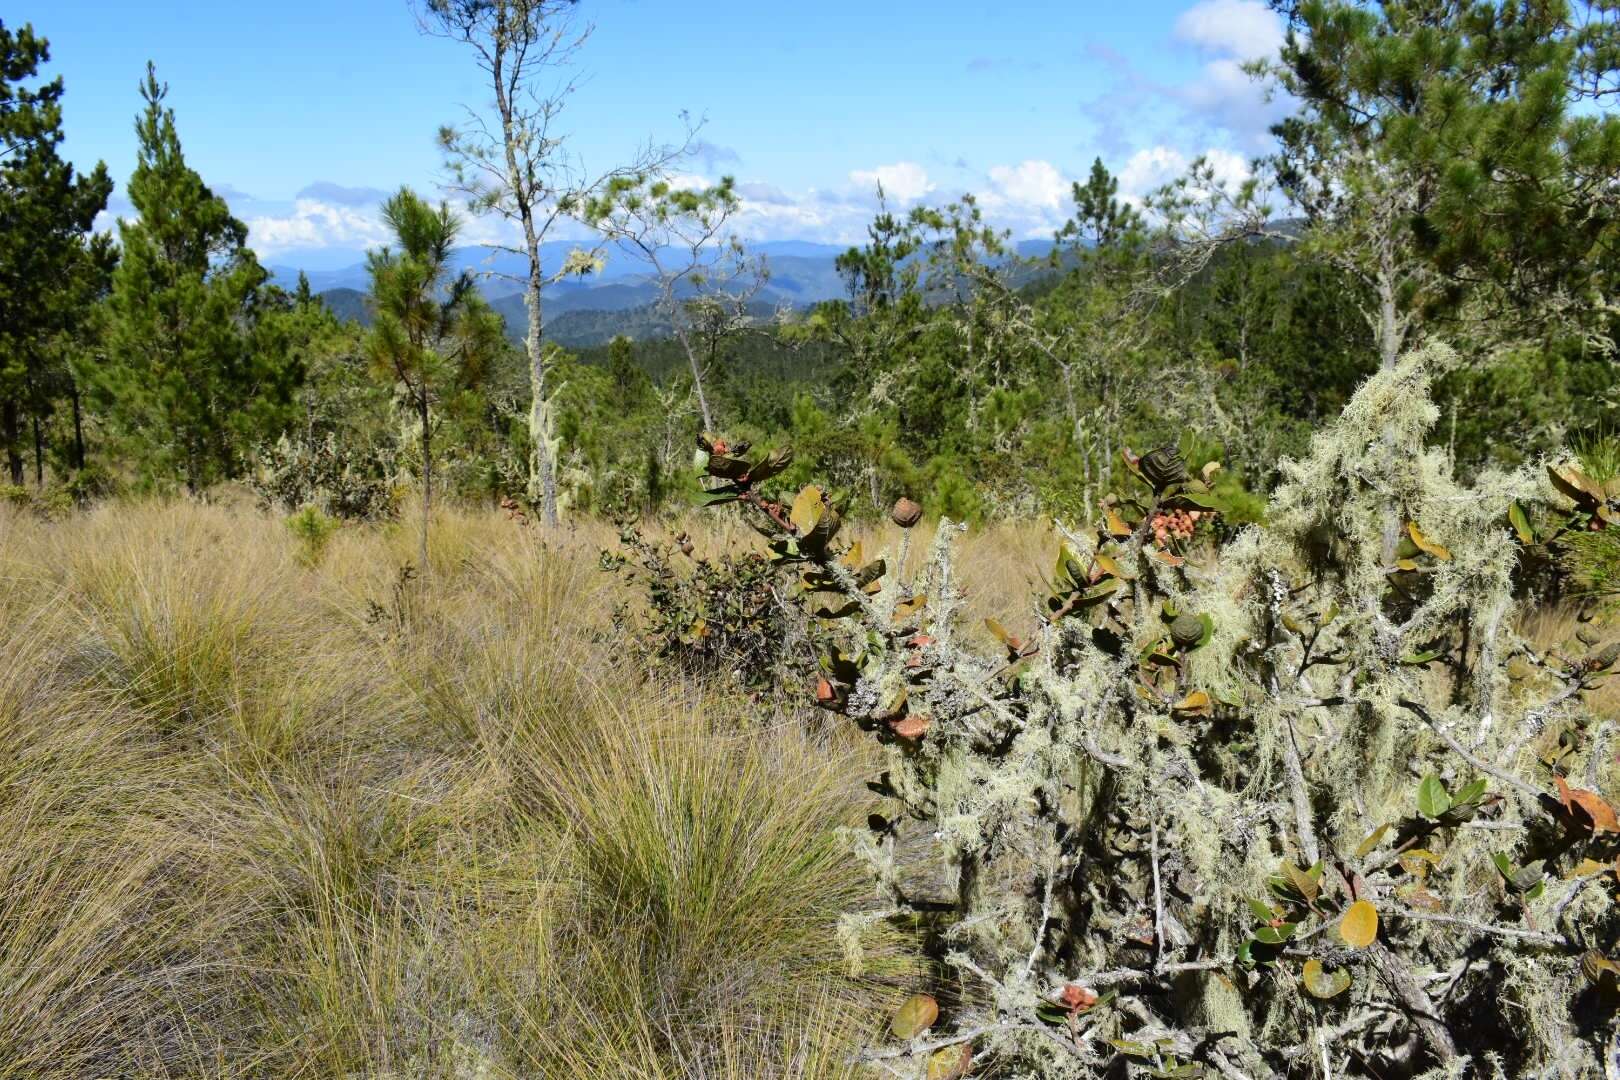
<point x="1110" y="808"/>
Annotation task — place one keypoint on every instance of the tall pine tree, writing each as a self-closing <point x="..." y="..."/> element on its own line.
<point x="1451" y="156"/>
<point x="189" y="385"/>
<point x="46" y="253"/>
<point x="1450" y="161"/>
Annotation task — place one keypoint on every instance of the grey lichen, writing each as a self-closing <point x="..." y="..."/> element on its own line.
<point x="1118" y="804"/>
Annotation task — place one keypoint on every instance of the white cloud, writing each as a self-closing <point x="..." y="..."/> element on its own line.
<point x="1030" y="198"/>
<point x="1230" y="169"/>
<point x="1221" y="82"/>
<point x="830" y="217"/>
<point x="711" y="154"/>
<point x="689" y="182"/>
<point x="904" y="181"/>
<point x="1036" y="185"/>
<point x="1152" y="168"/>
<point x="494" y="230"/>
<point x="760" y="192"/>
<point x="1230" y="33"/>
<point x="316" y="224"/>
<point x="1226" y="96"/>
<point x="1238" y="29"/>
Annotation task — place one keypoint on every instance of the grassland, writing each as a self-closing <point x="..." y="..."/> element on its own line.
<point x="263" y="818"/>
<point x="271" y="816"/>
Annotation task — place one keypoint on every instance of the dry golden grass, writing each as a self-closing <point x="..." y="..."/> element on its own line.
<point x="268" y="819"/>
<point x="1554" y="629"/>
<point x="1004" y="566"/>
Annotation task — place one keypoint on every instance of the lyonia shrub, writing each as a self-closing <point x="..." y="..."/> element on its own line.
<point x="325" y="474"/>
<point x="719" y="617"/>
<point x="1301" y="804"/>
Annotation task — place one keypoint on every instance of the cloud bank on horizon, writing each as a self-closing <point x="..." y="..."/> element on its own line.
<point x="1148" y="122"/>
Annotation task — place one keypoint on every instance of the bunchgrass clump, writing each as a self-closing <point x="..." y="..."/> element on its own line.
<point x="255" y="829"/>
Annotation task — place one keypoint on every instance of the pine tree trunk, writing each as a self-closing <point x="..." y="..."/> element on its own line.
<point x="427" y="472"/>
<point x="1389" y="335"/>
<point x="193" y="469"/>
<point x="39" y="455"/>
<point x="10" y="432"/>
<point x="78" y="428"/>
<point x="542" y="441"/>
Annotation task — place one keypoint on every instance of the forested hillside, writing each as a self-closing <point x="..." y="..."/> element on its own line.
<point x="992" y="377"/>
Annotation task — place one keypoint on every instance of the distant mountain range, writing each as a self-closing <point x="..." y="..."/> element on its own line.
<point x="576" y="329"/>
<point x="578" y="312"/>
<point x="798" y="268"/>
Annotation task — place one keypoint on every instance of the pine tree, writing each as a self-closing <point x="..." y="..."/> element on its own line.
<point x="1447" y="155"/>
<point x="631" y="386"/>
<point x="1448" y="161"/>
<point x="1101" y="221"/>
<point x="185" y="384"/>
<point x="46" y="212"/>
<point x="432" y="330"/>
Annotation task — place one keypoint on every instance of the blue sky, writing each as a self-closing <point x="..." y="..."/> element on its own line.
<point x="301" y="112"/>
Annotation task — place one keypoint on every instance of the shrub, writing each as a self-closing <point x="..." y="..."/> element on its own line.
<point x="90" y="483"/>
<point x="724" y="616"/>
<point x="47" y="502"/>
<point x="325" y="474"/>
<point x="1304" y="804"/>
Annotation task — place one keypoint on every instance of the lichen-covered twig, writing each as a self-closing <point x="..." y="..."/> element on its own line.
<point x="1197" y="788"/>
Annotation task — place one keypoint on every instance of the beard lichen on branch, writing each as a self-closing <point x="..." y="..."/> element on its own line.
<point x="1286" y="805"/>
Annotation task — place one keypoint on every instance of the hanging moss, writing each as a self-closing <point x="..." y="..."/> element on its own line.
<point x="1117" y="804"/>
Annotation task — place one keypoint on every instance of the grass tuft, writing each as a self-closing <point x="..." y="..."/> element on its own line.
<point x="275" y="815"/>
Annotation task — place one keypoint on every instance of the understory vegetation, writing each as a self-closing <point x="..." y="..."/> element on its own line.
<point x="265" y="818"/>
<point x="1180" y="648"/>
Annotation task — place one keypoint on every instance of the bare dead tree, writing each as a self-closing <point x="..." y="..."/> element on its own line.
<point x="515" y="162"/>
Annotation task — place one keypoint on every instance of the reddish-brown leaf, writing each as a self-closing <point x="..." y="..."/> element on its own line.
<point x="1587" y="807"/>
<point x="910" y="726"/>
<point x="1076" y="998"/>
